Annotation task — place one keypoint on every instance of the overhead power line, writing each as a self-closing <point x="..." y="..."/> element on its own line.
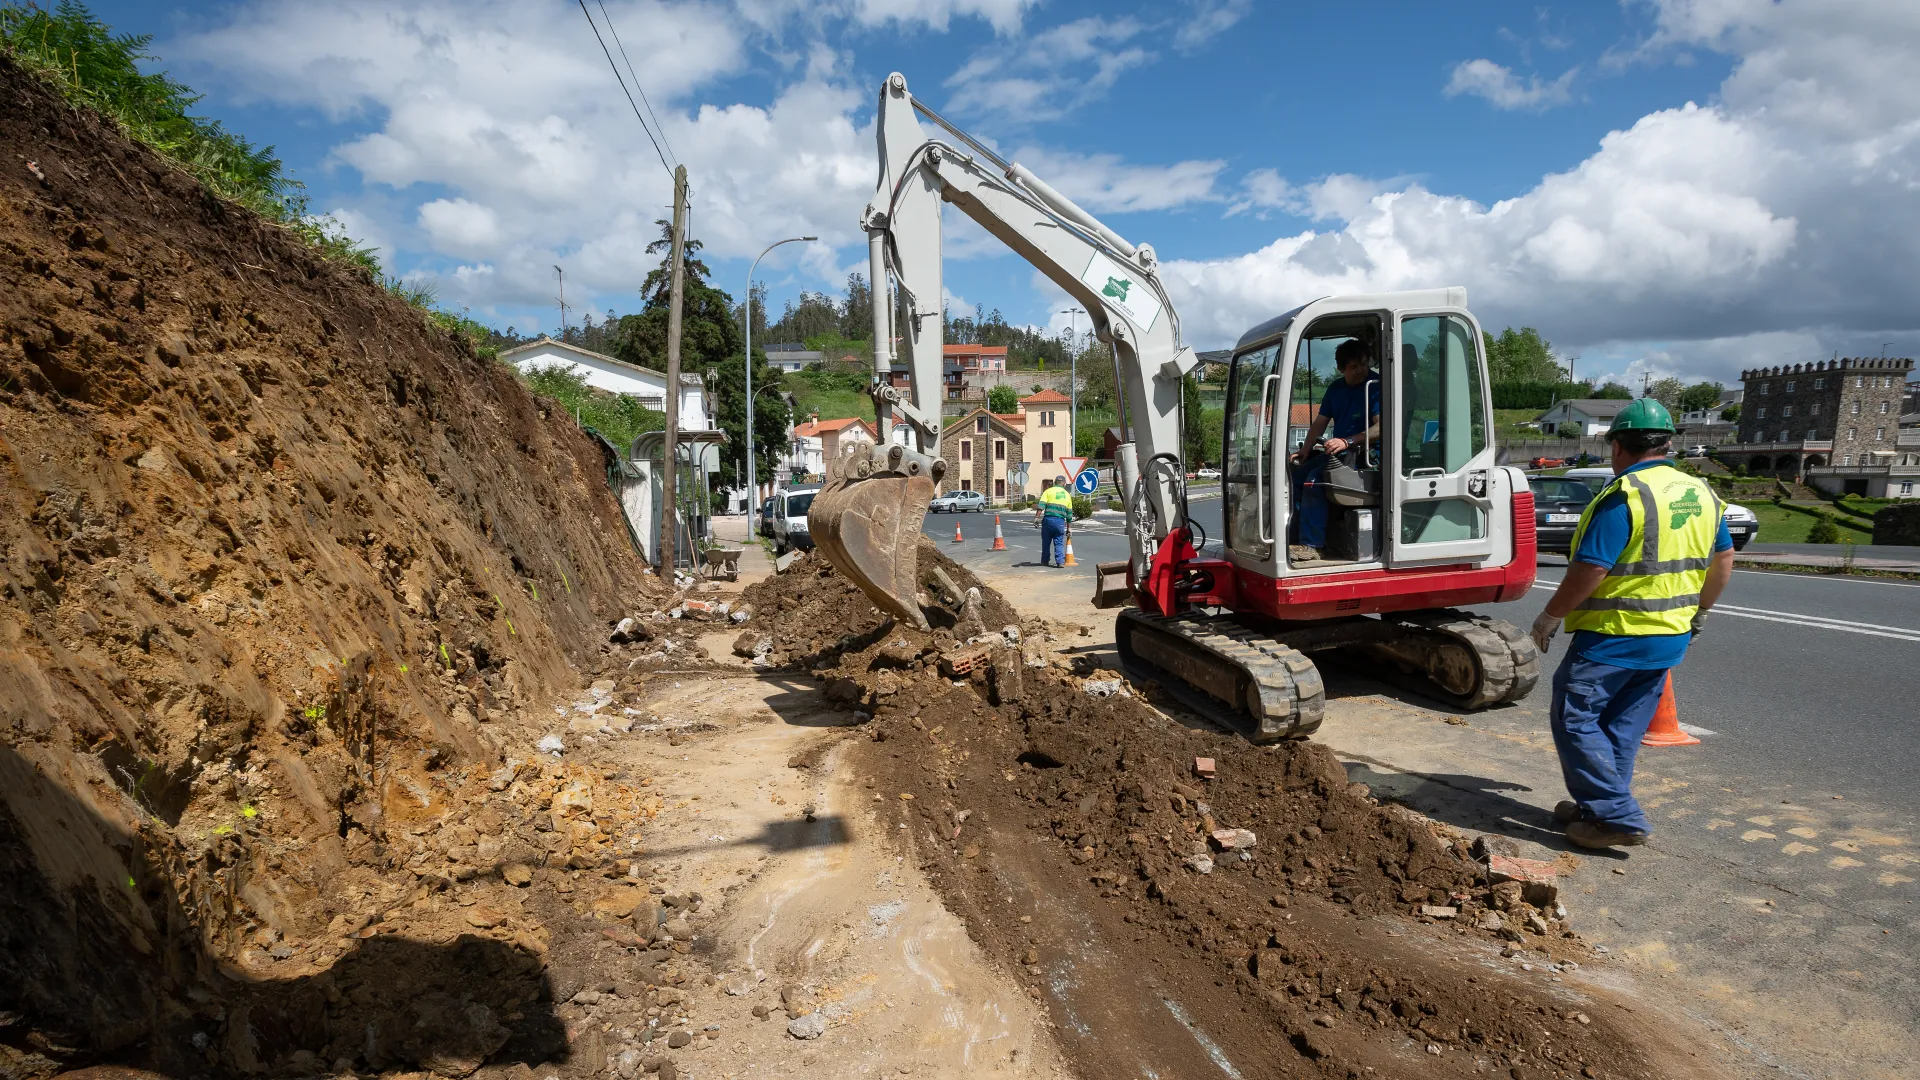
<point x="623" y="88"/>
<point x="637" y="88"/>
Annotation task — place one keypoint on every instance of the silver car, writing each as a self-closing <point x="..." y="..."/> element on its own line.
<point x="957" y="502"/>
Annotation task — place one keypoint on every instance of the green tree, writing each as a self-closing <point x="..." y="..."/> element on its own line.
<point x="1522" y="356"/>
<point x="1613" y="391"/>
<point x="709" y="328"/>
<point x="1668" y="392"/>
<point x="770" y="418"/>
<point x="1701" y="395"/>
<point x="1731" y="414"/>
<point x="620" y="417"/>
<point x="1003" y="399"/>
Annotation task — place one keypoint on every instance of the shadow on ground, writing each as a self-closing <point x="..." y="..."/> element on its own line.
<point x="103" y="961"/>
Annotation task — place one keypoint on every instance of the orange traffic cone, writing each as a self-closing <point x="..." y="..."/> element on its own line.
<point x="1665" y="729"/>
<point x="957" y="538"/>
<point x="1069" y="559"/>
<point x="999" y="542"/>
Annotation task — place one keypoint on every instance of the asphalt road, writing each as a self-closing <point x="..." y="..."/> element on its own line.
<point x="1808" y="682"/>
<point x="1780" y="883"/>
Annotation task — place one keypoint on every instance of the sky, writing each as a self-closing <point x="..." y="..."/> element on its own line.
<point x="1661" y="187"/>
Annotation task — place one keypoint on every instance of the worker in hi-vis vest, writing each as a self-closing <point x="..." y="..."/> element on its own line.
<point x="1650" y="556"/>
<point x="1054" y="510"/>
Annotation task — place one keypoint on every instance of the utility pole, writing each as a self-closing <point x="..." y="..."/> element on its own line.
<point x="670" y="509"/>
<point x="1073" y="382"/>
<point x="562" y="298"/>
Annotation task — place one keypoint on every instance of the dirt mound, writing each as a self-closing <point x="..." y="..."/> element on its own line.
<point x="1266" y="894"/>
<point x="810" y="615"/>
<point x="280" y="562"/>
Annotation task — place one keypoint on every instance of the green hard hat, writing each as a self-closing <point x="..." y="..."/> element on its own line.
<point x="1642" y="414"/>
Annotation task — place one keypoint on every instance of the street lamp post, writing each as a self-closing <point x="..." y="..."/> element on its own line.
<point x="753" y="488"/>
<point x="1073" y="382"/>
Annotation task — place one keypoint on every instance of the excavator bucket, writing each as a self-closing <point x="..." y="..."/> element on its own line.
<point x="870" y="531"/>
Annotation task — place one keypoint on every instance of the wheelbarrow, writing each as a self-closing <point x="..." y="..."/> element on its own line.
<point x="722" y="560"/>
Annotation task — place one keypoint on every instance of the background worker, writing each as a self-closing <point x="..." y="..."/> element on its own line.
<point x="1650" y="556"/>
<point x="1351" y="407"/>
<point x="1052" y="512"/>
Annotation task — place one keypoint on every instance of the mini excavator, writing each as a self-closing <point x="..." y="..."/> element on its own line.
<point x="1422" y="520"/>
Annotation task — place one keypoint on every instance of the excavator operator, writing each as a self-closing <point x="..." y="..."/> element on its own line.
<point x="1351" y="409"/>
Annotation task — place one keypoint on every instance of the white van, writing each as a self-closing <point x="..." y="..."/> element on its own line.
<point x="790" y="519"/>
<point x="1742" y="525"/>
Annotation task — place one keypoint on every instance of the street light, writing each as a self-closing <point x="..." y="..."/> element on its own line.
<point x="1073" y="383"/>
<point x="753" y="488"/>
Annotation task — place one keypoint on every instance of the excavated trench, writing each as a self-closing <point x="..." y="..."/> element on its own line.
<point x="1271" y="919"/>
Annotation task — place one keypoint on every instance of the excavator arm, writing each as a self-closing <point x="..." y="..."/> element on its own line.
<point x="868" y="517"/>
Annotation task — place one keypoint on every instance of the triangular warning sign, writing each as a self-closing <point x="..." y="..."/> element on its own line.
<point x="1071" y="467"/>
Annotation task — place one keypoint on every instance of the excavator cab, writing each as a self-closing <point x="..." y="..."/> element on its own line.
<point x="1417" y="484"/>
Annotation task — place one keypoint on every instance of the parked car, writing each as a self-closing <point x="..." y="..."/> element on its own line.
<point x="1206" y="474"/>
<point x="958" y="502"/>
<point x="1742" y="525"/>
<point x="790" y="520"/>
<point x="1547" y="462"/>
<point x="1699" y="451"/>
<point x="766" y="516"/>
<point x="1557" y="502"/>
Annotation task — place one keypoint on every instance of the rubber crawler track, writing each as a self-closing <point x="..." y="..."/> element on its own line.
<point x="1508" y="662"/>
<point x="1291" y="695"/>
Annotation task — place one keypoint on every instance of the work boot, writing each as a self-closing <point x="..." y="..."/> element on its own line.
<point x="1301" y="553"/>
<point x="1566" y="812"/>
<point x="1599" y="834"/>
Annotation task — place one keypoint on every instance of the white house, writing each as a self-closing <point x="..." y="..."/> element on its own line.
<point x="1593" y="415"/>
<point x="618" y="377"/>
<point x="791" y="357"/>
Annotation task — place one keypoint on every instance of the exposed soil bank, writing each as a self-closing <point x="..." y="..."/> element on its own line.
<point x="279" y="560"/>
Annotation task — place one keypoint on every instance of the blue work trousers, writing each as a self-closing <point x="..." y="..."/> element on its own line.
<point x="1310" y="502"/>
<point x="1053" y="541"/>
<point x="1599" y="714"/>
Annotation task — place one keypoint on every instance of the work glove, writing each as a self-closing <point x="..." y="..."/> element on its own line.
<point x="1699" y="622"/>
<point x="1544" y="628"/>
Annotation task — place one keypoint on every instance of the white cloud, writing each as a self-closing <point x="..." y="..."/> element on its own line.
<point x="1049" y="74"/>
<point x="1505" y="90"/>
<point x="1775" y="226"/>
<point x="1103" y="183"/>
<point x="1210" y="19"/>
<point x="1005" y="15"/>
<point x="459" y="227"/>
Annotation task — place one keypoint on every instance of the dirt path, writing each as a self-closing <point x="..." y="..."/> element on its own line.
<point x="813" y="908"/>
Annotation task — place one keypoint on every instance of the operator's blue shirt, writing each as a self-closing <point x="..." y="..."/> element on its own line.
<point x="1343" y="402"/>
<point x="1602" y="545"/>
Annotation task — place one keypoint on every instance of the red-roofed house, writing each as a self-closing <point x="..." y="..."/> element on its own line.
<point x="816" y="442"/>
<point x="977" y="358"/>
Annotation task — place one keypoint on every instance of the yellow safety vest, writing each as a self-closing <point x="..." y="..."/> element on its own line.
<point x="1655" y="587"/>
<point x="1057" y="499"/>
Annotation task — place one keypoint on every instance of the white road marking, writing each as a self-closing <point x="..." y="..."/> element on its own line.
<point x="1794" y="618"/>
<point x="1697" y="732"/>
<point x="1837" y="577"/>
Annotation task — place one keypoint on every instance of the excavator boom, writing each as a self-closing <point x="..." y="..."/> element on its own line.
<point x="1236" y="627"/>
<point x="875" y="501"/>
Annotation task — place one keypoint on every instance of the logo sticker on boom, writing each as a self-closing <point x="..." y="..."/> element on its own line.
<point x="1119" y="286"/>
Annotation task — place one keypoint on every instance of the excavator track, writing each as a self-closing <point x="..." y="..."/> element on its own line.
<point x="1470" y="661"/>
<point x="1270" y="690"/>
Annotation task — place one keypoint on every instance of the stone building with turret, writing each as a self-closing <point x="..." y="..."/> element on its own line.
<point x="1827" y="420"/>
